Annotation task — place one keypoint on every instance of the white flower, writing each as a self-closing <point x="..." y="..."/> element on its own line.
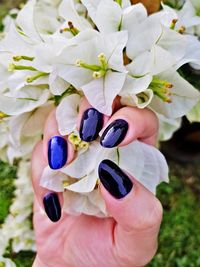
<point x="67" y="10"/>
<point x="37" y="20"/>
<point x="182" y="95"/>
<point x="109" y="16"/>
<point x="181" y="20"/>
<point x="96" y="67"/>
<point x="192" y="53"/>
<point x="68" y="108"/>
<point x="29" y="98"/>
<point x="161" y="49"/>
<point x="25" y="130"/>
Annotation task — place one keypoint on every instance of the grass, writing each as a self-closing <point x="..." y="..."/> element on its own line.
<point x="180" y="232"/>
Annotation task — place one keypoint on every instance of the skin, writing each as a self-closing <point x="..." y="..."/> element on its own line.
<point x="128" y="238"/>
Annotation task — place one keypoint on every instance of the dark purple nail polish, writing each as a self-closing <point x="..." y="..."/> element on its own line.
<point x="91" y="125"/>
<point x="114" y="134"/>
<point x="52" y="207"/>
<point x="57" y="152"/>
<point x="114" y="179"/>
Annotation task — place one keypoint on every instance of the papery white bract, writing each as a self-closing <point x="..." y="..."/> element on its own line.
<point x="184" y="19"/>
<point x="57" y="52"/>
<point x="81" y="63"/>
<point x="68" y="108"/>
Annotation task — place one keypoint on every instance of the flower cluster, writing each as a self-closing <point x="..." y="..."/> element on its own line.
<point x="17" y="226"/>
<point x="52" y="53"/>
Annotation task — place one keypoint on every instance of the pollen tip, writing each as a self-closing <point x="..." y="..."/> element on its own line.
<point x="169" y="85"/>
<point x="168" y="100"/>
<point x="11" y="67"/>
<point x="29" y="80"/>
<point x="96" y="75"/>
<point x="174" y="21"/>
<point x="70" y="24"/>
<point x="17" y="58"/>
<point x="79" y="62"/>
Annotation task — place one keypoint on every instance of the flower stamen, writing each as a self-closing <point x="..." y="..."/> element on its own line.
<point x="119" y="2"/>
<point x="98" y="74"/>
<point x="3" y="115"/>
<point x="181" y="30"/>
<point x="82" y="64"/>
<point x="161" y="88"/>
<point x="76" y="141"/>
<point x="98" y="70"/>
<point x="13" y="67"/>
<point x="173" y="24"/>
<point x="31" y="79"/>
<point x="18" y="58"/>
<point x="74" y="31"/>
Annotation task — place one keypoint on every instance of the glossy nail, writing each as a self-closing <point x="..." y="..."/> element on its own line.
<point x="52" y="207"/>
<point x="114" y="134"/>
<point x="57" y="152"/>
<point x="117" y="183"/>
<point x="91" y="125"/>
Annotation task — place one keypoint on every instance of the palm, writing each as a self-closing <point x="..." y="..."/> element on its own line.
<point x="74" y="240"/>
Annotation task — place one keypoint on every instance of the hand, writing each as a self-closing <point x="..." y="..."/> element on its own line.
<point x="129" y="238"/>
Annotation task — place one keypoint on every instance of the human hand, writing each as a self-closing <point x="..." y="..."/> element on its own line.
<point x="129" y="238"/>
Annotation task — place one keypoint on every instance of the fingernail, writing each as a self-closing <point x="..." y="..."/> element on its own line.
<point x="91" y="125"/>
<point x="52" y="207"/>
<point x="114" y="134"/>
<point x="116" y="182"/>
<point x="57" y="152"/>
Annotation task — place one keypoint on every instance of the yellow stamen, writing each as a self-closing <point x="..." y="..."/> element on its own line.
<point x="173" y="24"/>
<point x="181" y="30"/>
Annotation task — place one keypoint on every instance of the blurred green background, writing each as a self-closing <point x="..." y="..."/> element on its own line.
<point x="179" y="240"/>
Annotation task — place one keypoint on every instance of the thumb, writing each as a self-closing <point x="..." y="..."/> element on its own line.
<point x="137" y="212"/>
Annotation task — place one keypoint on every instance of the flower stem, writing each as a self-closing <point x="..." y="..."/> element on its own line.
<point x="13" y="67"/>
<point x="35" y="77"/>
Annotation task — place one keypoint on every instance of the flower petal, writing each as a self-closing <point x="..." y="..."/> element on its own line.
<point x="167" y="127"/>
<point x="31" y="99"/>
<point x="85" y="162"/>
<point x="57" y="85"/>
<point x="145" y="163"/>
<point x="108" y="16"/>
<point x="76" y="204"/>
<point x="66" y="114"/>
<point x="101" y="92"/>
<point x="133" y="16"/>
<point x="184" y="96"/>
<point x="25" y="20"/>
<point x="84" y="185"/>
<point x="68" y="11"/>
<point x="53" y="179"/>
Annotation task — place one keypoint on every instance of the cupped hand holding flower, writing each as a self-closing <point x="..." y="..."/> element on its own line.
<point x="128" y="237"/>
